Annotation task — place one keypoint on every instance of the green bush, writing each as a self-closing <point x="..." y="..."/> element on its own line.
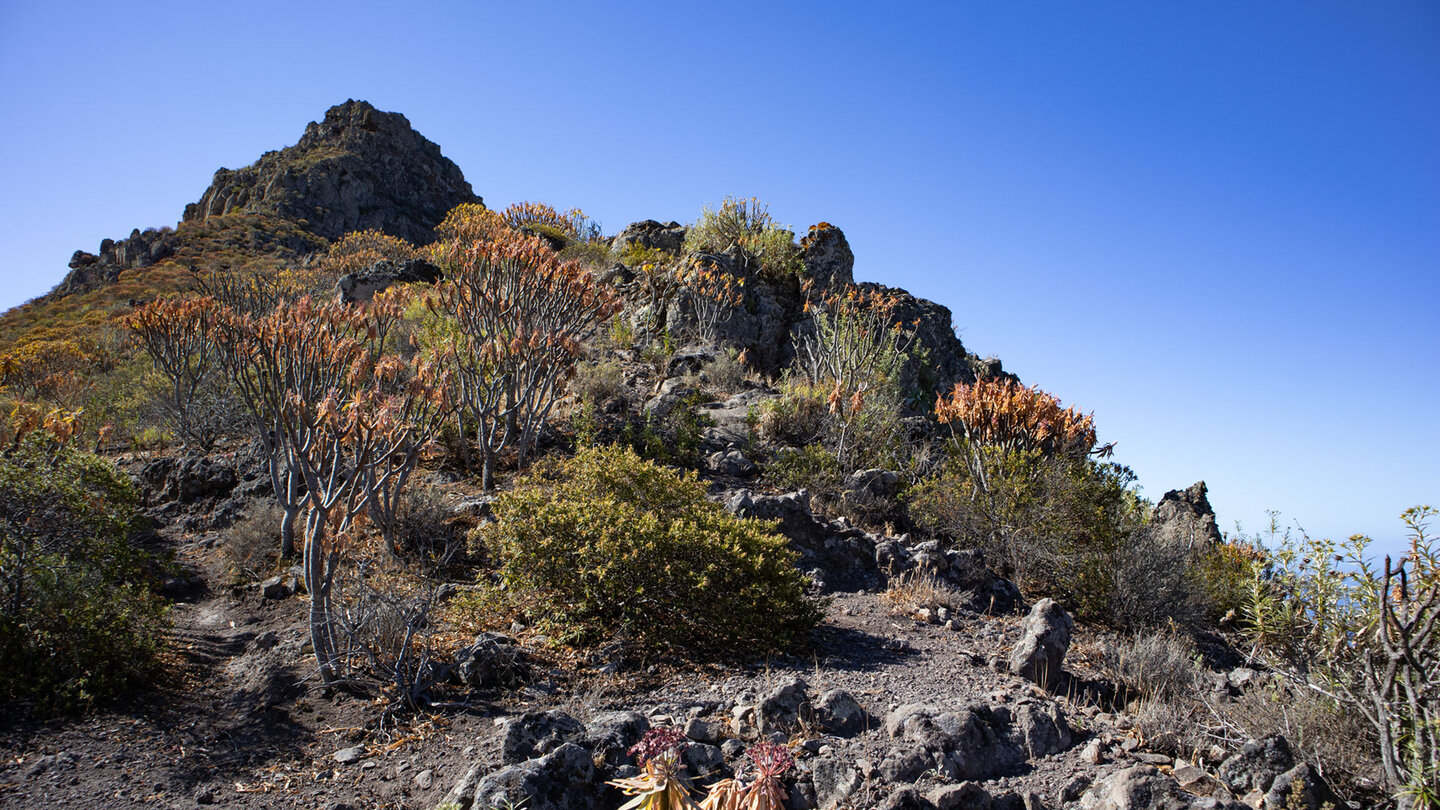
<point x="606" y="544"/>
<point x="747" y="224"/>
<point x="76" y="624"/>
<point x="1058" y="526"/>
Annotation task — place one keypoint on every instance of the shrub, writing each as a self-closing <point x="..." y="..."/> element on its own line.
<point x="1368" y="637"/>
<point x="1054" y="525"/>
<point x="611" y="545"/>
<point x="76" y="622"/>
<point x="796" y="417"/>
<point x="357" y="251"/>
<point x="809" y="466"/>
<point x="1153" y="665"/>
<point x="746" y="224"/>
<point x="251" y="545"/>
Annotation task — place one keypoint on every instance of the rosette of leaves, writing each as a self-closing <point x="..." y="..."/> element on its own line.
<point x="660" y="786"/>
<point x="763" y="791"/>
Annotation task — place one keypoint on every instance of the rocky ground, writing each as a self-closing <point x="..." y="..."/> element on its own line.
<point x="901" y="700"/>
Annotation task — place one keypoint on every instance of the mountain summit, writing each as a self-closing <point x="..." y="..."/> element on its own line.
<point x="358" y="169"/>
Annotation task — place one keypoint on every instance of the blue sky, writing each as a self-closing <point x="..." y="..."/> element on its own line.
<point x="1216" y="225"/>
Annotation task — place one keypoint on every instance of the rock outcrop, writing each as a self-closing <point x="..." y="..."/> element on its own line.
<point x="1184" y="518"/>
<point x="358" y="169"/>
<point x="1044" y="640"/>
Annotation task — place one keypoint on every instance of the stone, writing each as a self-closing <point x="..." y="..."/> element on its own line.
<point x="280" y="586"/>
<point x="668" y="237"/>
<point x="1072" y="790"/>
<point x="266" y="640"/>
<point x="829" y="261"/>
<point x="345" y="756"/>
<point x="838" y="712"/>
<point x="732" y="463"/>
<point x="702" y="760"/>
<point x="835" y="781"/>
<point x="970" y="743"/>
<point x="1241" y="677"/>
<point x="1142" y="787"/>
<point x="610" y="735"/>
<point x="1041" y="729"/>
<point x="780" y="710"/>
<point x="1094" y="752"/>
<point x="905" y="798"/>
<point x="1257" y="764"/>
<point x="491" y="660"/>
<point x="425" y="779"/>
<point x="704" y="731"/>
<point x="362" y="286"/>
<point x="536" y="733"/>
<point x="905" y="764"/>
<point x="964" y="796"/>
<point x="836" y="558"/>
<point x="1151" y="758"/>
<point x="564" y="779"/>
<point x="1194" y="780"/>
<point x="1300" y="788"/>
<point x="870" y="490"/>
<point x="1044" y="640"/>
<point x="1184" y="518"/>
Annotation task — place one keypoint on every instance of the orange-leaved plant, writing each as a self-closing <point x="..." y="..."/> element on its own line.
<point x="660" y="785"/>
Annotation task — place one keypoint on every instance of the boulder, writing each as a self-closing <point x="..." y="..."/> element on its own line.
<point x="1300" y="788"/>
<point x="780" y="710"/>
<point x="964" y="796"/>
<point x="1255" y="766"/>
<point x="1142" y="787"/>
<point x="611" y="734"/>
<point x="835" y="780"/>
<point x="837" y="712"/>
<point x="969" y="743"/>
<point x="1184" y="518"/>
<point x="668" y="237"/>
<point x="490" y="661"/>
<point x="535" y="733"/>
<point x="564" y="779"/>
<point x="356" y="287"/>
<point x="1040" y="729"/>
<point x="1044" y="640"/>
<point x="828" y="260"/>
<point x="732" y="463"/>
<point x="837" y="557"/>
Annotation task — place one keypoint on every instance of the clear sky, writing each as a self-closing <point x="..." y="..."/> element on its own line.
<point x="1215" y="224"/>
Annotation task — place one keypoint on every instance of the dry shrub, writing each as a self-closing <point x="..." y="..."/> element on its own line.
<point x="1153" y="665"/>
<point x="1331" y="738"/>
<point x="251" y="546"/>
<point x="598" y="382"/>
<point x="726" y="372"/>
<point x="914" y="591"/>
<point x="425" y="527"/>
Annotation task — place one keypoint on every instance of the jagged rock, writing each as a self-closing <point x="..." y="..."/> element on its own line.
<point x="357" y="169"/>
<point x="1184" y="518"/>
<point x="355" y="287"/>
<point x="536" y="733"/>
<point x="829" y="262"/>
<point x="1256" y="765"/>
<point x="704" y="731"/>
<point x="870" y="489"/>
<point x="186" y="479"/>
<point x="669" y="237"/>
<point x="1142" y="787"/>
<point x="905" y="764"/>
<point x="1196" y="781"/>
<point x="906" y="798"/>
<point x="836" y="557"/>
<point x="463" y="794"/>
<point x="1301" y="785"/>
<point x="964" y="796"/>
<point x="280" y="586"/>
<point x="972" y="743"/>
<point x="491" y="660"/>
<point x="1041" y="729"/>
<point x="703" y="760"/>
<point x="689" y="361"/>
<point x="610" y="735"/>
<point x="732" y="463"/>
<point x="781" y="709"/>
<point x="1044" y="640"/>
<point x="564" y="779"/>
<point x="1072" y="790"/>
<point x="834" y="780"/>
<point x="671" y="397"/>
<point x="838" y="712"/>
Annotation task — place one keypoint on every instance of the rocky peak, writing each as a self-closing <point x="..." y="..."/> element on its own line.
<point x="359" y="168"/>
<point x="1184" y="517"/>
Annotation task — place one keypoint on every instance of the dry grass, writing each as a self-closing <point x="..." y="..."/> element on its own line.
<point x="912" y="592"/>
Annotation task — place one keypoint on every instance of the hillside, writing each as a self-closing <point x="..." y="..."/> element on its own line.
<point x="361" y="494"/>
